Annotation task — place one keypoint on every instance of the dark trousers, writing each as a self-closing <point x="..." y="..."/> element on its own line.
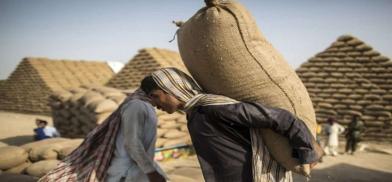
<point x="351" y="144"/>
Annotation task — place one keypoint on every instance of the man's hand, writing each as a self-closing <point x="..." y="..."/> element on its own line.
<point x="156" y="177"/>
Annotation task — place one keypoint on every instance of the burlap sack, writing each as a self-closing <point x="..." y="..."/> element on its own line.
<point x="161" y="132"/>
<point x="90" y="96"/>
<point x="103" y="106"/>
<point x="117" y="98"/>
<point x="170" y="117"/>
<point x="182" y="120"/>
<point x="51" y="151"/>
<point x="40" y="168"/>
<point x="160" y="142"/>
<point x="19" y="169"/>
<point x="223" y="42"/>
<point x="44" y="152"/>
<point x="178" y="141"/>
<point x="101" y="117"/>
<point x="40" y="143"/>
<point x="104" y="90"/>
<point x="168" y="124"/>
<point x="68" y="147"/>
<point x="174" y="133"/>
<point x="61" y="95"/>
<point x="66" y="151"/>
<point x="12" y="156"/>
<point x="184" y="128"/>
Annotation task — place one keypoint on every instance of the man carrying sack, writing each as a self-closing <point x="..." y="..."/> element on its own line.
<point x="220" y="128"/>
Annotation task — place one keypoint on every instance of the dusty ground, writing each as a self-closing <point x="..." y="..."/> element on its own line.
<point x="372" y="165"/>
<point x="16" y="129"/>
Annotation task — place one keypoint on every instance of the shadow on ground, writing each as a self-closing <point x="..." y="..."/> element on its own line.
<point x="18" y="140"/>
<point x="346" y="173"/>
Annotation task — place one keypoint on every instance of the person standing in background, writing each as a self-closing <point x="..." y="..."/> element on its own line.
<point x="333" y="130"/>
<point x="353" y="135"/>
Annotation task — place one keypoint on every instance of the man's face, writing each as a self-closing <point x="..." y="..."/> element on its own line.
<point x="164" y="101"/>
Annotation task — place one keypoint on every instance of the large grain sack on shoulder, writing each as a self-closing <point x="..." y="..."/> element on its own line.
<point x="40" y="168"/>
<point x="12" y="156"/>
<point x="19" y="169"/>
<point x="222" y="41"/>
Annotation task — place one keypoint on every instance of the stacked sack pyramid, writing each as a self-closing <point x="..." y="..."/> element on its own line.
<point x="28" y="88"/>
<point x="145" y="62"/>
<point x="350" y="78"/>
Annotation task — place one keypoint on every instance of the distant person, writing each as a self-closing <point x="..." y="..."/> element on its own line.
<point x="43" y="131"/>
<point x="353" y="135"/>
<point x="333" y="130"/>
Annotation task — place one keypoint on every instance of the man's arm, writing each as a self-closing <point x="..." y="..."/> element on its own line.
<point x="133" y="117"/>
<point x="256" y="115"/>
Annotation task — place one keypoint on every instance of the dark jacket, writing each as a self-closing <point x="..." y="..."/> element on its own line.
<point x="221" y="137"/>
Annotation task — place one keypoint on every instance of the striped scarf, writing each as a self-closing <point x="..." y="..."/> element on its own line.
<point x="89" y="162"/>
<point x="184" y="88"/>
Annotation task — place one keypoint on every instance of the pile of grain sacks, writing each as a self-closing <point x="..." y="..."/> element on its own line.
<point x="77" y="111"/>
<point x="36" y="158"/>
<point x="350" y="78"/>
<point x="172" y="130"/>
<point x="28" y="87"/>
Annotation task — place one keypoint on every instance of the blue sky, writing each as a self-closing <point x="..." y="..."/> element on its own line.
<point x="115" y="30"/>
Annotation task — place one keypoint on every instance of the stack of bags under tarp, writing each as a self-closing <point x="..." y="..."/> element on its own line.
<point x="36" y="158"/>
<point x="77" y="111"/>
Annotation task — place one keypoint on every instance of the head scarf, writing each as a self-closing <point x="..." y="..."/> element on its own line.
<point x="90" y="161"/>
<point x="185" y="89"/>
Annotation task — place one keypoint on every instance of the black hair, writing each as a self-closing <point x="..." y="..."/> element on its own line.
<point x="148" y="84"/>
<point x="41" y="121"/>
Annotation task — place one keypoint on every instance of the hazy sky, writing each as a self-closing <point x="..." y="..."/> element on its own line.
<point x="115" y="30"/>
